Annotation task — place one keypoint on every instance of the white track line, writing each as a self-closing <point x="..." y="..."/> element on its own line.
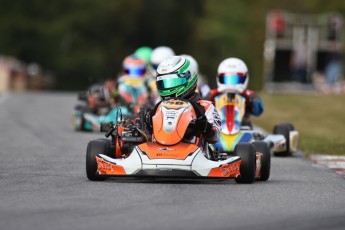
<point x="336" y="163"/>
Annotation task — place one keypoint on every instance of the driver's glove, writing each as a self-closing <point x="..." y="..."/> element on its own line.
<point x="202" y="123"/>
<point x="148" y="119"/>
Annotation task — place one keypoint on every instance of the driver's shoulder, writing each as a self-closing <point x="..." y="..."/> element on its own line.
<point x="206" y="104"/>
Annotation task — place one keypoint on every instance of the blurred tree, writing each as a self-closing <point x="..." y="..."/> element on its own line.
<point x="168" y="23"/>
<point x="84" y="41"/>
<point x="221" y="33"/>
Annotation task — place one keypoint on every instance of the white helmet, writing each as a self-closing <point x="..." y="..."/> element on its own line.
<point x="159" y="54"/>
<point x="176" y="77"/>
<point x="202" y="81"/>
<point x="192" y="61"/>
<point x="232" y="76"/>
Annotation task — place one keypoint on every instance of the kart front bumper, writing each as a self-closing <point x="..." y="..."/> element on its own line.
<point x="196" y="165"/>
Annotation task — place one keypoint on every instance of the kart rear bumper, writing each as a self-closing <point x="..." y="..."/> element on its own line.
<point x="279" y="143"/>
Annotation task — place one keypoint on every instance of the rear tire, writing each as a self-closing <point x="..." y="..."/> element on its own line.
<point x="284" y="129"/>
<point x="94" y="148"/>
<point x="248" y="165"/>
<point x="264" y="148"/>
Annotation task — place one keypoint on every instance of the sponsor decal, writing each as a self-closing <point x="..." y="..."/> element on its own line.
<point x="164" y="149"/>
<point x="258" y="164"/>
<point x="227" y="169"/>
<point x="107" y="168"/>
<point x="167" y="155"/>
<point x="176" y="102"/>
<point x="103" y="165"/>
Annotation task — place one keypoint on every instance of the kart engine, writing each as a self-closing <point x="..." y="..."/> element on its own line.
<point x="131" y="137"/>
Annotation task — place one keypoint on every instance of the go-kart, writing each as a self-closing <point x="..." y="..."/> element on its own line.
<point x="132" y="93"/>
<point x="235" y="129"/>
<point x="90" y="119"/>
<point x="173" y="150"/>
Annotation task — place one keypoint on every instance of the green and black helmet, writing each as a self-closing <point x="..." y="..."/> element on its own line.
<point x="176" y="77"/>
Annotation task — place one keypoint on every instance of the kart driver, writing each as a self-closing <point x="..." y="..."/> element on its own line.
<point x="132" y="67"/>
<point x="177" y="78"/>
<point x="233" y="77"/>
<point x="97" y="99"/>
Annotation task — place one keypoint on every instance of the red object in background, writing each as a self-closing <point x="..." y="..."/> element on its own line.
<point x="277" y="23"/>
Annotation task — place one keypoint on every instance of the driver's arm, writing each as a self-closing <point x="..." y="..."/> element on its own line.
<point x="209" y="122"/>
<point x="212" y="133"/>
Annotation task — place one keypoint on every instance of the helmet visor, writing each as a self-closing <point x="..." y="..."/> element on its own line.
<point x="170" y="81"/>
<point x="155" y="66"/>
<point x="135" y="72"/>
<point x="232" y="78"/>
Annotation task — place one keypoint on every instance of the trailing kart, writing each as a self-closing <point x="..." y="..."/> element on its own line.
<point x="236" y="129"/>
<point x="132" y="94"/>
<point x="88" y="119"/>
<point x="169" y="152"/>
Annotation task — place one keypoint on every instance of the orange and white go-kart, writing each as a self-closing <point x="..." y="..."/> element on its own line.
<point x="170" y="152"/>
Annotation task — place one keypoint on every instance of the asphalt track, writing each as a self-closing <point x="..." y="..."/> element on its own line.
<point x="43" y="184"/>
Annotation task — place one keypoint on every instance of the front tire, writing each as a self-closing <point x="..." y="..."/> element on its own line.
<point x="264" y="148"/>
<point x="248" y="165"/>
<point x="94" y="148"/>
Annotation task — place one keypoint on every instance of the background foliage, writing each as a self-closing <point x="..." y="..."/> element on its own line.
<point x="84" y="41"/>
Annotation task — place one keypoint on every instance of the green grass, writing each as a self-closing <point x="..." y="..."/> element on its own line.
<point x="320" y="119"/>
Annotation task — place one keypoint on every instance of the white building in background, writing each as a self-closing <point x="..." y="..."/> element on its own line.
<point x="297" y="48"/>
<point x="16" y="76"/>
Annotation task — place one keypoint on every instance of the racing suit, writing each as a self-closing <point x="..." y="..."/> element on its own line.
<point x="208" y="122"/>
<point x="254" y="105"/>
<point x="208" y="119"/>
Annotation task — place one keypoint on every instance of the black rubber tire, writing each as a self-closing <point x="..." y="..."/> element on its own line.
<point x="284" y="129"/>
<point x="248" y="166"/>
<point x="94" y="148"/>
<point x="109" y="151"/>
<point x="264" y="148"/>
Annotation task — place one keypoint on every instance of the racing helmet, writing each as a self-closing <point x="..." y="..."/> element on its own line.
<point x="144" y="52"/>
<point x="232" y="76"/>
<point x="134" y="66"/>
<point x="176" y="77"/>
<point x="192" y="61"/>
<point x="159" y="54"/>
<point x="132" y="91"/>
<point x="99" y="91"/>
